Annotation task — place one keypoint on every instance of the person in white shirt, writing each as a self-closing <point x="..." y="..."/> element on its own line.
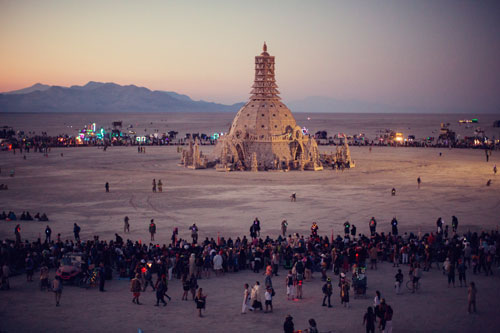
<point x="218" y="264"/>
<point x="268" y="296"/>
<point x="255" y="296"/>
<point x="246" y="300"/>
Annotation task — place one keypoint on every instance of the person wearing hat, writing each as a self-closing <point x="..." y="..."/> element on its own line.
<point x="327" y="291"/>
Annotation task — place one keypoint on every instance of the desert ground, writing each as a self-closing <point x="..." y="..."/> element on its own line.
<point x="68" y="185"/>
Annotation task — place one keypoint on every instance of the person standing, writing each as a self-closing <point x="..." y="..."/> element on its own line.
<point x="5" y="276"/>
<point x="44" y="278"/>
<point x="76" y="232"/>
<point x="388" y="319"/>
<point x="255" y="296"/>
<point x="17" y="232"/>
<point x="30" y="267"/>
<point x="376" y="304"/>
<point x="275" y="261"/>
<point x="327" y="292"/>
<point x="495" y="169"/>
<point x="454" y="223"/>
<point x="353" y="231"/>
<point x="161" y="290"/>
<point x="369" y="320"/>
<point x="48" y="232"/>
<point x="126" y="225"/>
<point x="399" y="281"/>
<point x="268" y="296"/>
<point x="451" y="273"/>
<point x="373" y="226"/>
<point x="106" y="186"/>
<point x="419" y="181"/>
<point x="160" y="186"/>
<point x="461" y="268"/>
<point x="284" y="225"/>
<point x="154" y="185"/>
<point x="102" y="277"/>
<point x="135" y="288"/>
<point x="246" y="300"/>
<point x="394" y="224"/>
<point x="201" y="300"/>
<point x="344" y="294"/>
<point x="194" y="233"/>
<point x="57" y="287"/>
<point x="290" y="288"/>
<point x="347" y="226"/>
<point x="193" y="285"/>
<point x="217" y="262"/>
<point x="152" y="229"/>
<point x="288" y="326"/>
<point x="373" y="257"/>
<point x="472" y="298"/>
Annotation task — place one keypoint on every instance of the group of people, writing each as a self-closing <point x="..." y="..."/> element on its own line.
<point x="299" y="255"/>
<point x="25" y="216"/>
<point x="158" y="185"/>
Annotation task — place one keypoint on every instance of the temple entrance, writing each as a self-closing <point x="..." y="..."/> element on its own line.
<point x="241" y="157"/>
<point x="298" y="151"/>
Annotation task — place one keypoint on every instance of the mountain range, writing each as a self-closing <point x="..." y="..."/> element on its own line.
<point x="103" y="97"/>
<point x="111" y="97"/>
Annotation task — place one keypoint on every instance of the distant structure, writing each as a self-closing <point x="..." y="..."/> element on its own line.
<point x="193" y="158"/>
<point x="264" y="134"/>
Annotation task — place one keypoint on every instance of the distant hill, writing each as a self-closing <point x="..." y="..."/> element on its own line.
<point x="103" y="97"/>
<point x="35" y="87"/>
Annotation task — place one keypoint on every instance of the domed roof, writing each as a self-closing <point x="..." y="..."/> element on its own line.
<point x="263" y="119"/>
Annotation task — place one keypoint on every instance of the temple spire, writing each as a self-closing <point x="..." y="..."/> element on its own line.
<point x="264" y="86"/>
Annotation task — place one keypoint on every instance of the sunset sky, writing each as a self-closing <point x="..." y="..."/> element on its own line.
<point x="428" y="54"/>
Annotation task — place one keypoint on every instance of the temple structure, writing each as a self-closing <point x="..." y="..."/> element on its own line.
<point x="193" y="157"/>
<point x="264" y="134"/>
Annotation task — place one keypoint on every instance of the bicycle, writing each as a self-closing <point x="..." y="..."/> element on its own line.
<point x="410" y="287"/>
<point x="89" y="279"/>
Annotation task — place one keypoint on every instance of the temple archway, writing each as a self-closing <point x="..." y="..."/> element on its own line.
<point x="241" y="156"/>
<point x="298" y="151"/>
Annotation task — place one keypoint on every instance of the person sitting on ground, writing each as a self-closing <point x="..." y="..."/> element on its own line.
<point x="28" y="216"/>
<point x="3" y="216"/>
<point x="44" y="218"/>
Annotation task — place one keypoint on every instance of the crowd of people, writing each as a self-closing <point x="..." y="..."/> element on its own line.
<point x="25" y="216"/>
<point x="298" y="256"/>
